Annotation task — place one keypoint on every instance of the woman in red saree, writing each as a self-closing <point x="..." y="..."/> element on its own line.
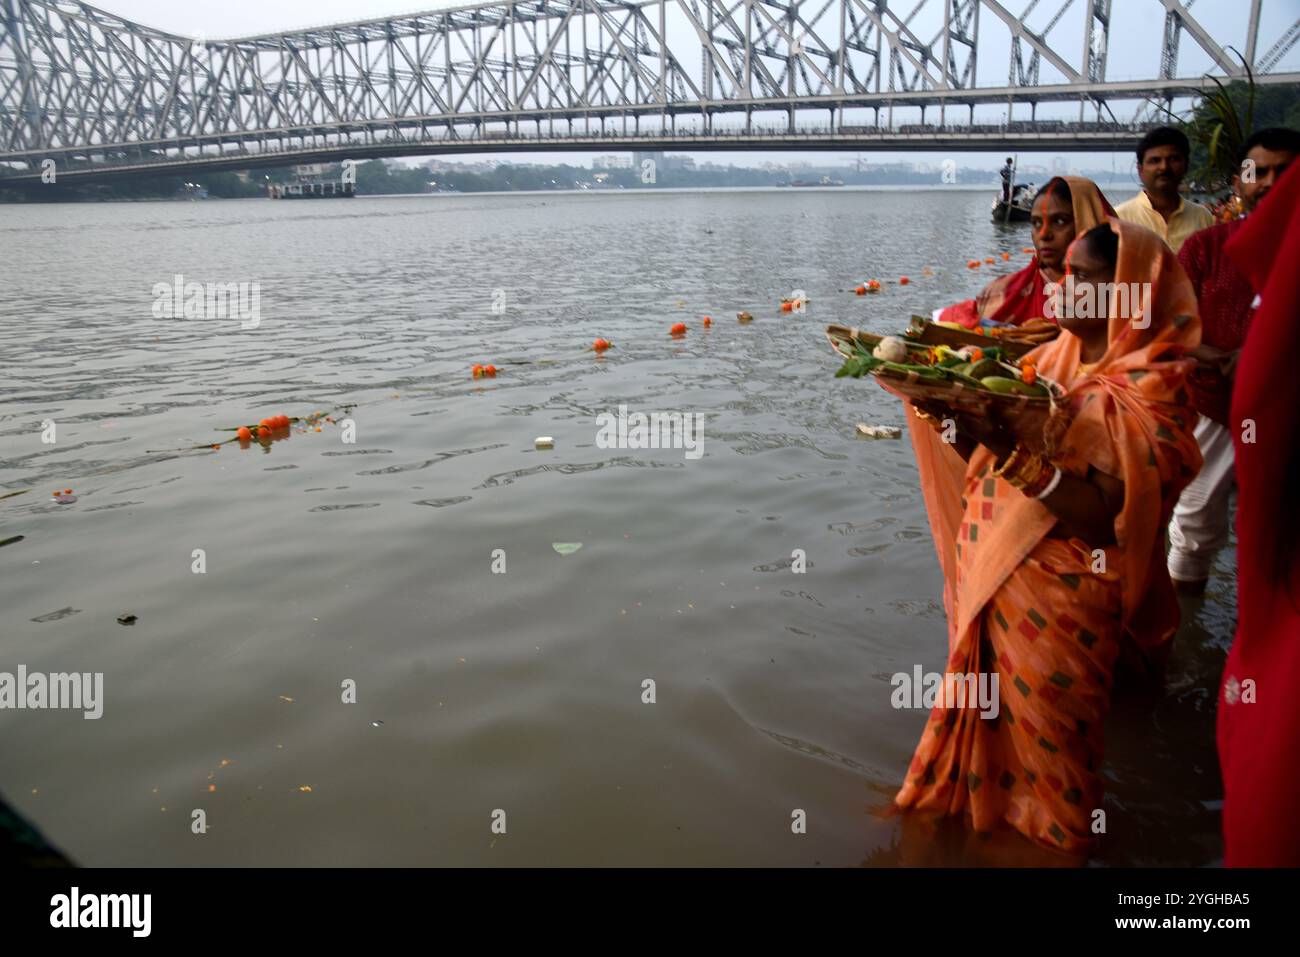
<point x="1259" y="723"/>
<point x="1052" y="565"/>
<point x="1067" y="206"/>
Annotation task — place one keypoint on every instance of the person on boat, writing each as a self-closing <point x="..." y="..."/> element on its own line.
<point x="1200" y="525"/>
<point x="1006" y="173"/>
<point x="1162" y="157"/>
<point x="1054" y="561"/>
<point x="1259" y="711"/>
<point x="1066" y="206"/>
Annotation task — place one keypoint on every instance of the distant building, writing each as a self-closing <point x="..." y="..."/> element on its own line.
<point x="612" y="162"/>
<point x="640" y="156"/>
<point x="307" y="170"/>
<point x="685" y="163"/>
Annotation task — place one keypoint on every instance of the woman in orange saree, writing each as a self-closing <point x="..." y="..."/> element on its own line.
<point x="1052" y="565"/>
<point x="1067" y="206"/>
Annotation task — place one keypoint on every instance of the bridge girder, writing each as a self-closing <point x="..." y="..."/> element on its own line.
<point x="90" y="89"/>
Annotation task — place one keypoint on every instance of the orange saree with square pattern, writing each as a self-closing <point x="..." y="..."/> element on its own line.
<point x="1048" y="614"/>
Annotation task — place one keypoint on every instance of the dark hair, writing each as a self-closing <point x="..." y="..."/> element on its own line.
<point x="1163" y="136"/>
<point x="1103" y="242"/>
<point x="1008" y="159"/>
<point x="1054" y="187"/>
<point x="1278" y="139"/>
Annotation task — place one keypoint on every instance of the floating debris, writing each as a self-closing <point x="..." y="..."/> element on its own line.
<point x="566" y="548"/>
<point x="879" y="431"/>
<point x="126" y="618"/>
<point x="743" y="317"/>
<point x="11" y="540"/>
<point x="544" y="442"/>
<point x="56" y="615"/>
<point x="65" y="497"/>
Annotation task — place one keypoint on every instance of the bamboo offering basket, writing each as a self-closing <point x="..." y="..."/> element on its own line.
<point x="1024" y="415"/>
<point x="1015" y="341"/>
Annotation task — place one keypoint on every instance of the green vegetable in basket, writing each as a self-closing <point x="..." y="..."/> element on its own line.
<point x="1004" y="386"/>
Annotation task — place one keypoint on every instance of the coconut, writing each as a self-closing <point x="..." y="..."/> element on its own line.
<point x="891" y="349"/>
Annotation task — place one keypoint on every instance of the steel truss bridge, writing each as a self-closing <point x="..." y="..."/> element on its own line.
<point x="101" y="96"/>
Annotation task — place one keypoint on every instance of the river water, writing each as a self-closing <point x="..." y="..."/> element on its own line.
<point x="326" y="561"/>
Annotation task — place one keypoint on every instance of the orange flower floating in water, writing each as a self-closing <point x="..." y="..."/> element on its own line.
<point x="600" y="345"/>
<point x="243" y="434"/>
<point x="787" y="307"/>
<point x="861" y="290"/>
<point x="989" y="259"/>
<point x="485" y="372"/>
<point x="973" y="264"/>
<point x="903" y="281"/>
<point x="1028" y="249"/>
<point x="477" y="372"/>
<point x="707" y="322"/>
<point x="1006" y="256"/>
<point x="678" y="329"/>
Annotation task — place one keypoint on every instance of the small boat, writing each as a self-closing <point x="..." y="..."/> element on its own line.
<point x="824" y="181"/>
<point x="328" y="189"/>
<point x="1018" y="210"/>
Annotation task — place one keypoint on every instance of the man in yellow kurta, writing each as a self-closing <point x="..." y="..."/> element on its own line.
<point x="1162" y="163"/>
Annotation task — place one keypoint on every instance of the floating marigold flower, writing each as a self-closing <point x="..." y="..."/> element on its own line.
<point x="678" y="329"/>
<point x="903" y="281"/>
<point x="600" y="345"/>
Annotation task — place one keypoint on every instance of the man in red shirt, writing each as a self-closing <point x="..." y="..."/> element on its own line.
<point x="1200" y="523"/>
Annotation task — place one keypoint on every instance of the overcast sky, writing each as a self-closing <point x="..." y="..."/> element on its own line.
<point x="1135" y="40"/>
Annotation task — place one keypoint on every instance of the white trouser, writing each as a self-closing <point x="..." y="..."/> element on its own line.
<point x="1200" y="524"/>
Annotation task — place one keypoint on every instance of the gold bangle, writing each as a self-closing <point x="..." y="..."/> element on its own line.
<point x="1022" y="467"/>
<point x="1010" y="463"/>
